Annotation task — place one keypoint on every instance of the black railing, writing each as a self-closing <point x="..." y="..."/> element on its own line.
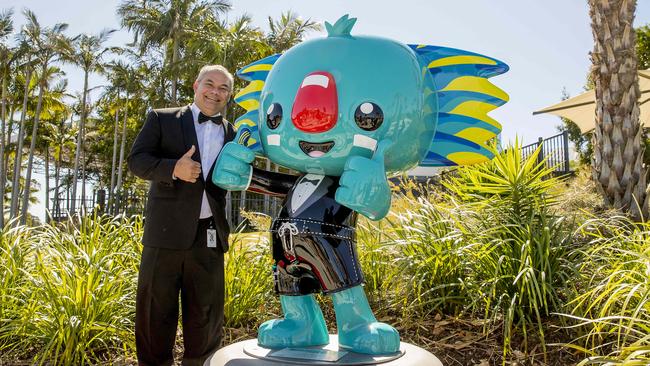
<point x="61" y="208"/>
<point x="127" y="203"/>
<point x="250" y="202"/>
<point x="554" y="151"/>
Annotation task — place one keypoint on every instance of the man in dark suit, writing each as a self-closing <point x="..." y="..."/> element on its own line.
<point x="185" y="232"/>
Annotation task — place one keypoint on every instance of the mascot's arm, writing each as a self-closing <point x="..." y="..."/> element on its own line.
<point x="233" y="169"/>
<point x="234" y="172"/>
<point x="271" y="183"/>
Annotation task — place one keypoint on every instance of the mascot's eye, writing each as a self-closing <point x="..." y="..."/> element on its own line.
<point x="274" y="116"/>
<point x="369" y="116"/>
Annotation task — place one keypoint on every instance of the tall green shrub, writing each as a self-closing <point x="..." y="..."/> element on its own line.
<point x="517" y="262"/>
<point x="79" y="299"/>
<point x="610" y="305"/>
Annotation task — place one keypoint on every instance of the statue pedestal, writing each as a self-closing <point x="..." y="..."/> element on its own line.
<point x="248" y="353"/>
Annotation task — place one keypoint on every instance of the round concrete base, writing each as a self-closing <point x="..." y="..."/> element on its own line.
<point x="248" y="353"/>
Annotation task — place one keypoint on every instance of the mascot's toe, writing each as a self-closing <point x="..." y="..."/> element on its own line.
<point x="374" y="338"/>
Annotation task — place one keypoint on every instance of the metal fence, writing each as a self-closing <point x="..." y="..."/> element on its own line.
<point x="128" y="203"/>
<point x="133" y="203"/>
<point x="250" y="202"/>
<point x="554" y="151"/>
<point x="61" y="207"/>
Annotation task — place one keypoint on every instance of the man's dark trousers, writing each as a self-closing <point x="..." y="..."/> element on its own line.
<point x="197" y="274"/>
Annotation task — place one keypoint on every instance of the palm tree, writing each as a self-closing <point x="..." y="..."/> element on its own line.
<point x="49" y="43"/>
<point x="168" y="23"/>
<point x="126" y="79"/>
<point x="6" y="56"/>
<point x="62" y="140"/>
<point x="232" y="45"/>
<point x="118" y="75"/>
<point x="618" y="153"/>
<point x="129" y="84"/>
<point x="113" y="161"/>
<point x="28" y="67"/>
<point x="288" y="31"/>
<point x="88" y="54"/>
<point x="54" y="112"/>
<point x="243" y="44"/>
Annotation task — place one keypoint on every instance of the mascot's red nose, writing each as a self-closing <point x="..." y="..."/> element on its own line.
<point x="315" y="108"/>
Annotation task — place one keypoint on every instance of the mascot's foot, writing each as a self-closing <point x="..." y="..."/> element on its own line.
<point x="374" y="338"/>
<point x="303" y="325"/>
<point x="359" y="331"/>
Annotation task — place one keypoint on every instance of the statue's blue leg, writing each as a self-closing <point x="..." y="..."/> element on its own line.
<point x="359" y="330"/>
<point x="303" y="325"/>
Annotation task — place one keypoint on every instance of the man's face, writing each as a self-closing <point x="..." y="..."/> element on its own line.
<point x="212" y="92"/>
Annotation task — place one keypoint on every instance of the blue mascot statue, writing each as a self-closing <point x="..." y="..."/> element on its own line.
<point x="344" y="111"/>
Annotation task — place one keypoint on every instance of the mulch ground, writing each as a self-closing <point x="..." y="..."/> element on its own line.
<point x="456" y="342"/>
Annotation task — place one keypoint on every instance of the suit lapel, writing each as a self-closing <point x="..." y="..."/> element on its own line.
<point x="189" y="133"/>
<point x="228" y="135"/>
<point x="229" y="132"/>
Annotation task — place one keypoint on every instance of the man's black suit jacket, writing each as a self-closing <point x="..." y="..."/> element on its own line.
<point x="173" y="206"/>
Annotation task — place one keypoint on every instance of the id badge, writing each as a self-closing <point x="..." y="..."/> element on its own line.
<point x="212" y="238"/>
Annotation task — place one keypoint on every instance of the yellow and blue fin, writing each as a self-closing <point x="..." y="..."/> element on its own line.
<point x="465" y="96"/>
<point x="249" y="99"/>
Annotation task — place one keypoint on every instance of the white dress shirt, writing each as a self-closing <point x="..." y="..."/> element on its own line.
<point x="210" y="137"/>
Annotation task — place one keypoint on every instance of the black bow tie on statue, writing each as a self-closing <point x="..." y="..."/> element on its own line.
<point x="216" y="119"/>
<point x="313" y="182"/>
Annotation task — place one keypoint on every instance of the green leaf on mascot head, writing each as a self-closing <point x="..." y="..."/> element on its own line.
<point x="341" y="28"/>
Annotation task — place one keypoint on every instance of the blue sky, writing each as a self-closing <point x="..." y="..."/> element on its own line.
<point x="545" y="43"/>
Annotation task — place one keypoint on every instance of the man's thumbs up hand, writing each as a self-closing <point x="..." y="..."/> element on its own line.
<point x="187" y="169"/>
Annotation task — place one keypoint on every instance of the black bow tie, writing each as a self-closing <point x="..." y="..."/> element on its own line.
<point x="216" y="119"/>
<point x="314" y="182"/>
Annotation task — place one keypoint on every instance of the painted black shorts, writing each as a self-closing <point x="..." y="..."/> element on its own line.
<point x="312" y="256"/>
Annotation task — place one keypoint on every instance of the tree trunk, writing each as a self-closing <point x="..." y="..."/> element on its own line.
<point x="3" y="175"/>
<point x="15" y="186"/>
<point x="111" y="192"/>
<point x="47" y="183"/>
<point x="173" y="66"/>
<point x="80" y="137"/>
<point x="32" y="147"/>
<point x="118" y="188"/>
<point x="56" y="206"/>
<point x="10" y="126"/>
<point x="618" y="152"/>
<point x="83" y="207"/>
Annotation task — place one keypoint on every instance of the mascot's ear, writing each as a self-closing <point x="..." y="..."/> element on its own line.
<point x="464" y="98"/>
<point x="249" y="99"/>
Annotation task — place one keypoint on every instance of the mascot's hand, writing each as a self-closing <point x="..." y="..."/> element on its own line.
<point x="363" y="186"/>
<point x="233" y="168"/>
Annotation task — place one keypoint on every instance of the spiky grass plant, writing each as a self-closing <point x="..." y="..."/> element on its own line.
<point x="516" y="264"/>
<point x="15" y="265"/>
<point x="249" y="280"/>
<point x="377" y="256"/>
<point x="79" y="299"/>
<point x="611" y="304"/>
<point x="430" y="256"/>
